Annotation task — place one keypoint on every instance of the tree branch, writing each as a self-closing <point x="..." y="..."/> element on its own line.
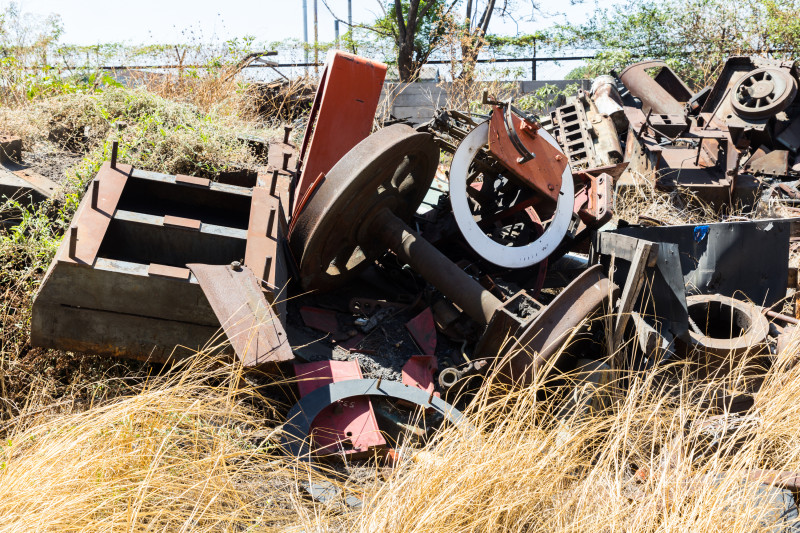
<point x="487" y="16"/>
<point x="401" y="25"/>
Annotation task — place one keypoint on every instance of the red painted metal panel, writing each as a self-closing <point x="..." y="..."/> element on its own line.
<point x="347" y="421"/>
<point x="342" y="116"/>
<point x="423" y="330"/>
<point x="418" y="372"/>
<point x="91" y="222"/>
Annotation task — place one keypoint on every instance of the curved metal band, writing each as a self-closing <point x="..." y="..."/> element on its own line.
<point x="485" y="246"/>
<point x="298" y="422"/>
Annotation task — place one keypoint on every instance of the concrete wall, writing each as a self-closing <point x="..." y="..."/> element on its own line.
<point x="418" y="101"/>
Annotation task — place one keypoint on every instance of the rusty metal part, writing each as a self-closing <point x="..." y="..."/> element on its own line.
<point x="608" y="101"/>
<point x="589" y="138"/>
<point x="773" y="163"/>
<point x="358" y="211"/>
<point x="344" y="427"/>
<point x="534" y="348"/>
<point x="449" y="377"/>
<point x="544" y="173"/>
<point x="119" y="286"/>
<point x="298" y="422"/>
<point x="727" y="327"/>
<point x="664" y="94"/>
<point x="763" y="93"/>
<point x="392" y="168"/>
<point x="341" y="117"/>
<point x="249" y="322"/>
<point x="486" y="247"/>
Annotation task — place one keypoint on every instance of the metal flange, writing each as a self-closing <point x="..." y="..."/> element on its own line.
<point x="389" y="170"/>
<point x="482" y="244"/>
<point x="763" y="92"/>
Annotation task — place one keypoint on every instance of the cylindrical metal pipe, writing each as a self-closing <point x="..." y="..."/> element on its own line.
<point x="644" y="87"/>
<point x="316" y="42"/>
<point x="305" y="30"/>
<point x="437" y="269"/>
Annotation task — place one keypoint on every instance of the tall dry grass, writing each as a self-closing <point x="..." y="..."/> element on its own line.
<point x="196" y="452"/>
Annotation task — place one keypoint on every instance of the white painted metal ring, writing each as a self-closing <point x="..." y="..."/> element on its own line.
<point x="485" y="246"/>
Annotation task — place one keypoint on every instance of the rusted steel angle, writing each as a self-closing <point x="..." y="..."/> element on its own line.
<point x="264" y="253"/>
<point x="90" y="222"/>
<point x="254" y="330"/>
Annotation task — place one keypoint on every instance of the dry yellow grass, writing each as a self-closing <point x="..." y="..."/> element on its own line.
<point x="196" y="452"/>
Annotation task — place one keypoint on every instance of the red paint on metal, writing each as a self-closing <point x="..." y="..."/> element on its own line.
<point x="351" y="420"/>
<point x="180" y="222"/>
<point x="92" y="223"/>
<point x="418" y="372"/>
<point x="192" y="180"/>
<point x="423" y="331"/>
<point x="542" y="173"/>
<point x="342" y="115"/>
<point x="323" y="320"/>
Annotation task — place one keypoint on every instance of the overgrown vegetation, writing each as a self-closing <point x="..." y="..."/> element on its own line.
<point x="693" y="36"/>
<point x="92" y="444"/>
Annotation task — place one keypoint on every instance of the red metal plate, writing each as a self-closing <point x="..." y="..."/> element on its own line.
<point x="342" y="116"/>
<point x="542" y="173"/>
<point x="418" y="372"/>
<point x="423" y="331"/>
<point x="347" y="421"/>
<point x="254" y="330"/>
<point x="92" y="223"/>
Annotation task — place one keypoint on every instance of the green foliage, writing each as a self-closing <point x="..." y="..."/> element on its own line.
<point x="430" y="31"/>
<point x="545" y="96"/>
<point x="693" y="36"/>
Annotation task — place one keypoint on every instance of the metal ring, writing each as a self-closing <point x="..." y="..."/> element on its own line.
<point x="485" y="246"/>
<point x="298" y="422"/>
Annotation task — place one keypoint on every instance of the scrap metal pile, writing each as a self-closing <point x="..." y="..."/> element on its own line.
<point x="362" y="255"/>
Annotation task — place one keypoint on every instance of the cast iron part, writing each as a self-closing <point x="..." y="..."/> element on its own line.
<point x="724" y="326"/>
<point x="359" y="211"/>
<point x="295" y="439"/>
<point x="763" y="93"/>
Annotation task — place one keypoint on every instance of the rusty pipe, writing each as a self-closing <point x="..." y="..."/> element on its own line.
<point x="653" y="95"/>
<point x="434" y="267"/>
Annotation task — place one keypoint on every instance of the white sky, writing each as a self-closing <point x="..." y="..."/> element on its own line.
<point x="89" y="22"/>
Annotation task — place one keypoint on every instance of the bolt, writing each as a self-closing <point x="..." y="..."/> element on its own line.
<point x="237" y="266"/>
<point x="286" y="157"/>
<point x="559" y="157"/>
<point x="550" y="186"/>
<point x="287" y="130"/>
